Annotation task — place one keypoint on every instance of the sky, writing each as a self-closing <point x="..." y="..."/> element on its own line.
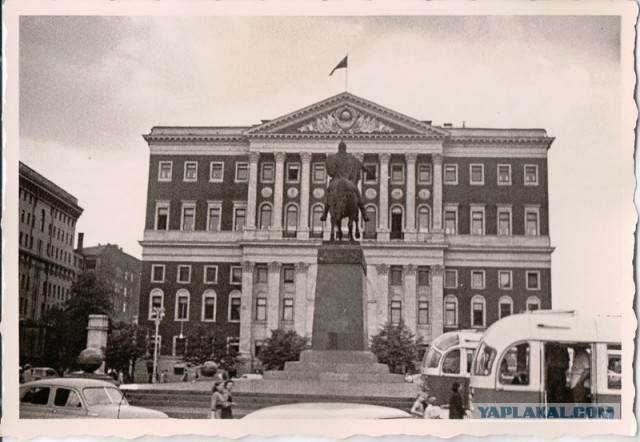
<point x="90" y="87"/>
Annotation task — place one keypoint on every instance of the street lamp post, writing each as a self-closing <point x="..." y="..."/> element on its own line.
<point x="158" y="314"/>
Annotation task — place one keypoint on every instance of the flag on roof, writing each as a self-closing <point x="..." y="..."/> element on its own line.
<point x="342" y="64"/>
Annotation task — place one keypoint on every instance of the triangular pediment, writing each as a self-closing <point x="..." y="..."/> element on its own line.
<point x="346" y="114"/>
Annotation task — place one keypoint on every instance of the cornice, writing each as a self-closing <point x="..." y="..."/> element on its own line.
<point x="165" y="138"/>
<point x="499" y="140"/>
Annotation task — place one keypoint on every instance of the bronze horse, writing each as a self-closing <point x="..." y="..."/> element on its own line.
<point x="343" y="203"/>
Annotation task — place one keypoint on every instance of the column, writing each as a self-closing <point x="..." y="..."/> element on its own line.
<point x="437" y="297"/>
<point x="278" y="189"/>
<point x="299" y="306"/>
<point x="250" y="227"/>
<point x="437" y="193"/>
<point x="310" y="298"/>
<point x="360" y="157"/>
<point x="246" y="307"/>
<point x="273" y="296"/>
<point x="410" y="297"/>
<point x="383" y="293"/>
<point x="410" y="230"/>
<point x="383" y="228"/>
<point x="373" y="324"/>
<point x="305" y="178"/>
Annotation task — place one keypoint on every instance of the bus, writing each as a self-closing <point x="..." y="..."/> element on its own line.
<point x="449" y="360"/>
<point x="547" y="357"/>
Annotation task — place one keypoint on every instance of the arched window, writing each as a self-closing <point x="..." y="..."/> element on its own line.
<point x="291" y="219"/>
<point x="182" y="305"/>
<point x="450" y="311"/>
<point x="316" y="223"/>
<point x="505" y="306"/>
<point x="265" y="216"/>
<point x="478" y="311"/>
<point x="209" y="301"/>
<point x="370" y="226"/>
<point x="533" y="303"/>
<point x="234" y="306"/>
<point x="156" y="300"/>
<point x="397" y="222"/>
<point x="424" y="219"/>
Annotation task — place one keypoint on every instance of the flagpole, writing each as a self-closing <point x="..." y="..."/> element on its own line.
<point x="346" y="76"/>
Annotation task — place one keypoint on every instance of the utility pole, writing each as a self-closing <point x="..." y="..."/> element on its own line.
<point x="158" y="314"/>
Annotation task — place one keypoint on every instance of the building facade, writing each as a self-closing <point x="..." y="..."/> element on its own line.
<point x="48" y="264"/>
<point x="121" y="271"/>
<point x="458" y="236"/>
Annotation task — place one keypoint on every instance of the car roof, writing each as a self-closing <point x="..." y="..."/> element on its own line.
<point x="68" y="382"/>
<point x="327" y="410"/>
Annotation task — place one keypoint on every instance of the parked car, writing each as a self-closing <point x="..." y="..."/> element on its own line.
<point x="43" y="373"/>
<point x="78" y="398"/>
<point x="328" y="410"/>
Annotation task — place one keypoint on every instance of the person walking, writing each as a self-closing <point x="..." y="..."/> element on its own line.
<point x="225" y="411"/>
<point x="417" y="410"/>
<point x="216" y="401"/>
<point x="456" y="408"/>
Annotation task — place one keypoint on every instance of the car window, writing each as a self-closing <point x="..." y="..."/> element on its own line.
<point x="66" y="398"/>
<point x="36" y="396"/>
<point x="103" y="396"/>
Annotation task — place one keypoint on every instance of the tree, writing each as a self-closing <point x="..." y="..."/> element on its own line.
<point x="204" y="344"/>
<point x="282" y="346"/>
<point x="396" y="346"/>
<point x="126" y="344"/>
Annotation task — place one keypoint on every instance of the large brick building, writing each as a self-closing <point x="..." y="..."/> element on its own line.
<point x="458" y="237"/>
<point x="48" y="264"/>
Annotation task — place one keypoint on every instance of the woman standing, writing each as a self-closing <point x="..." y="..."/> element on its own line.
<point x="216" y="401"/>
<point x="225" y="407"/>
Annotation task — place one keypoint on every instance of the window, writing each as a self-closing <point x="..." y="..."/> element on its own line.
<point x="395" y="275"/>
<point x="504" y="174"/>
<point x="36" y="396"/>
<point x="210" y="274"/>
<point x="157" y="273"/>
<point x="450" y="311"/>
<point x="451" y="362"/>
<point x="504" y="221"/>
<point x="514" y="367"/>
<point x="209" y="300"/>
<point x="184" y="274"/>
<point x="505" y="307"/>
<point x="291" y="221"/>
<point x="162" y="216"/>
<point x="396" y="222"/>
<point x="396" y="312"/>
<point x="530" y="175"/>
<point x="423" y="312"/>
<point x="477" y="220"/>
<point x="533" y="280"/>
<point x="179" y="346"/>
<point x="216" y="172"/>
<point x="293" y="172"/>
<point x="477" y="311"/>
<point x="213" y="216"/>
<point x="182" y="306"/>
<point x="477" y="279"/>
<point x="476" y="174"/>
<point x="67" y="398"/>
<point x="424" y="219"/>
<point x="190" y="171"/>
<point x="288" y="273"/>
<point x="287" y="309"/>
<point x="397" y="173"/>
<point x="532" y="221"/>
<point x="236" y="275"/>
<point x="261" y="274"/>
<point x="188" y="216"/>
<point x="242" y="172"/>
<point x="233" y="346"/>
<point x="164" y="170"/>
<point x="423" y="277"/>
<point x="239" y="216"/>
<point x="424" y="173"/>
<point x="450" y="279"/>
<point x="371" y="178"/>
<point x="504" y="279"/>
<point x="614" y="367"/>
<point x="319" y="173"/>
<point x="258" y="345"/>
<point x="450" y="221"/>
<point x="533" y="303"/>
<point x="156" y="301"/>
<point x="451" y="174"/>
<point x="316" y="222"/>
<point x="234" y="307"/>
<point x="265" y="216"/>
<point x="261" y="308"/>
<point x="370" y="226"/>
<point x="267" y="173"/>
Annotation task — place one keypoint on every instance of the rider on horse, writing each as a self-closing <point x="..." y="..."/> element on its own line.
<point x="346" y="166"/>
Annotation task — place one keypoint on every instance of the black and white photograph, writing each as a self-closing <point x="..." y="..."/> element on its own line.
<point x="320" y="219"/>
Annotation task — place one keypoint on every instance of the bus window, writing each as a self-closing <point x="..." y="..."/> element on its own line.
<point x="484" y="360"/>
<point x="447" y="340"/>
<point x="451" y="362"/>
<point x="514" y="367"/>
<point x="469" y="359"/>
<point x="433" y="357"/>
<point x="614" y="367"/>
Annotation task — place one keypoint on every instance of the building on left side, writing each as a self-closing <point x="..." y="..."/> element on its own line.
<point x="48" y="263"/>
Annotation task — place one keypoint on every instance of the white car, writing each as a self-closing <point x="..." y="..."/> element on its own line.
<point x="328" y="410"/>
<point x="59" y="398"/>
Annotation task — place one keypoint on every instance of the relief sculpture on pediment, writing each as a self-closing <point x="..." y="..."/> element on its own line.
<point x="345" y="120"/>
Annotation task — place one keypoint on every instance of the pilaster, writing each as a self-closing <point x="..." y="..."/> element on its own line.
<point x="382" y="271"/>
<point x="410" y="297"/>
<point x="410" y="225"/>
<point x="305" y="178"/>
<point x="278" y="196"/>
<point x="246" y="307"/>
<point x="437" y="193"/>
<point x="437" y="298"/>
<point x="250" y="226"/>
<point x="273" y="296"/>
<point x="383" y="228"/>
<point x="299" y="307"/>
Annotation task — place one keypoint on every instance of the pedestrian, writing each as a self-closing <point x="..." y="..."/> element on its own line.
<point x="579" y="376"/>
<point x="120" y="377"/>
<point x="26" y="374"/>
<point x="456" y="409"/>
<point x="432" y="411"/>
<point x="417" y="410"/>
<point x="226" y="412"/>
<point x="216" y="401"/>
<point x="221" y="374"/>
<point x="163" y="376"/>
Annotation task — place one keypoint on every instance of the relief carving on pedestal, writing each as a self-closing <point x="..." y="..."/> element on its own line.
<point x="345" y="120"/>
